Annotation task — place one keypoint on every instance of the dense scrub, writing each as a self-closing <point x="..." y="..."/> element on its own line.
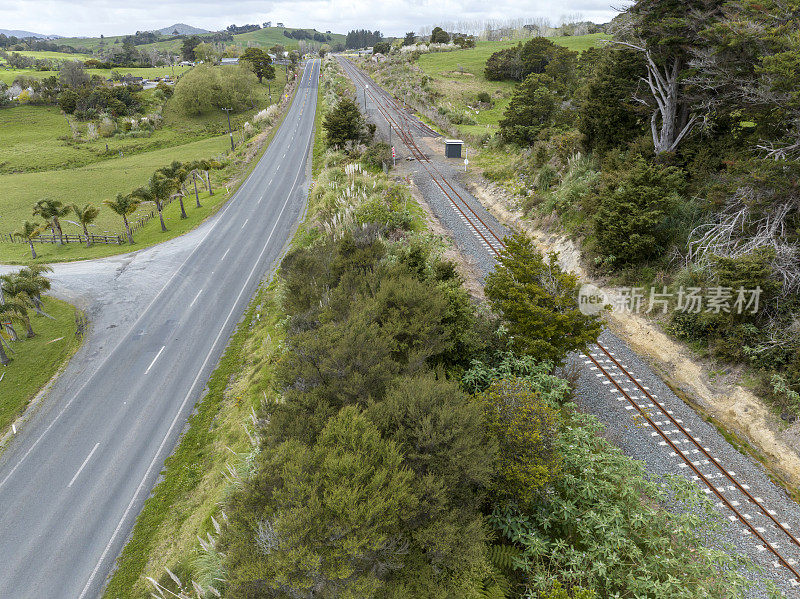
<point x="668" y="191"/>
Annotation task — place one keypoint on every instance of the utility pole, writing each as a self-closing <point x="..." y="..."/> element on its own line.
<point x="230" y="131"/>
<point x="366" y="87"/>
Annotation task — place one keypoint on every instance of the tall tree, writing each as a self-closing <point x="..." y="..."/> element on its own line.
<point x="86" y="216"/>
<point x="52" y="211"/>
<point x="532" y="108"/>
<point x="179" y="174"/>
<point x="344" y="124"/>
<point x="29" y="232"/>
<point x="609" y="115"/>
<point x="667" y="32"/>
<point x="124" y="205"/>
<point x="188" y="46"/>
<point x="259" y="62"/>
<point x="37" y="283"/>
<point x="19" y="292"/>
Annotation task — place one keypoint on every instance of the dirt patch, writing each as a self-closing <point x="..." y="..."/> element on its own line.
<point x="722" y="399"/>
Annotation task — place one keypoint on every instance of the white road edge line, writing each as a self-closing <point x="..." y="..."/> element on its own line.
<point x="158" y="355"/>
<point x="226" y="252"/>
<point x="86" y="461"/>
<point x="191" y="389"/>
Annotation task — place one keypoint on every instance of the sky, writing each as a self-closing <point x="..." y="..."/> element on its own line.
<point x="392" y="17"/>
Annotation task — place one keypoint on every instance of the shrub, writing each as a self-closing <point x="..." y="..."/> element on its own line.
<point x="634" y="204"/>
<point x="484" y="98"/>
<point x="378" y="155"/>
<point x="526" y="429"/>
<point x="206" y="88"/>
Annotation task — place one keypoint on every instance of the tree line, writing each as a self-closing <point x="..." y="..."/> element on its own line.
<point x="362" y="38"/>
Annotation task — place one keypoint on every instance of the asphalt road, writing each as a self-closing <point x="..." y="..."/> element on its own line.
<point x="74" y="479"/>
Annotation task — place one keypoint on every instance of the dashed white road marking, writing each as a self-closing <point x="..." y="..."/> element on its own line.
<point x="158" y="355"/>
<point x="86" y="461"/>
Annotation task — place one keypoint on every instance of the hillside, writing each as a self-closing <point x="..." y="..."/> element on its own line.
<point x="266" y="37"/>
<point x="181" y="29"/>
<point x="20" y="33"/>
<point x="270" y="36"/>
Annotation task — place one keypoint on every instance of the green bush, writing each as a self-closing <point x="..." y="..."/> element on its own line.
<point x="633" y="207"/>
<point x="378" y="155"/>
<point x="207" y="88"/>
<point x="532" y="109"/>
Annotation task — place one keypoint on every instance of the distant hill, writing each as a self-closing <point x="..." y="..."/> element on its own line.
<point x="182" y="29"/>
<point x="19" y="33"/>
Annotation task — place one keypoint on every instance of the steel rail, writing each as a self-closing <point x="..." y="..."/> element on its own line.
<point x="699" y="446"/>
<point x="728" y="504"/>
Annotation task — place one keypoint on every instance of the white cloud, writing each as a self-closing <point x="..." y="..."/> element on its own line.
<point x="93" y="17"/>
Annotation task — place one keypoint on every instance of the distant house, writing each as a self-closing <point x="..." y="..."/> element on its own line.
<point x="186" y="63"/>
<point x="280" y="24"/>
<point x="328" y="32"/>
<point x="229" y="61"/>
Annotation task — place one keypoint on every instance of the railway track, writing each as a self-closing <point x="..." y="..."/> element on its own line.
<point x="400" y="123"/>
<point x="734" y="497"/>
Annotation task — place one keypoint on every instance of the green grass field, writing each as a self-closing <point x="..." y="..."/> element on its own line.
<point x="459" y="76"/>
<point x="89" y="184"/>
<point x="40" y="159"/>
<point x="36" y="360"/>
<point x="51" y="55"/>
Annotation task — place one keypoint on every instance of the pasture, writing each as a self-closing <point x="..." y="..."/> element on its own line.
<point x="40" y="158"/>
<point x="459" y="76"/>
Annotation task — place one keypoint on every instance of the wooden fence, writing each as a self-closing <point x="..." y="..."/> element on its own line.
<point x="118" y="239"/>
<point x="67" y="238"/>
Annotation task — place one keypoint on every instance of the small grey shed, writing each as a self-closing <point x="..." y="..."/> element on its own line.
<point x="452" y="148"/>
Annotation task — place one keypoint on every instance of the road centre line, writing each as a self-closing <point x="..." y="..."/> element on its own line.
<point x="195" y="298"/>
<point x="86" y="461"/>
<point x="158" y="355"/>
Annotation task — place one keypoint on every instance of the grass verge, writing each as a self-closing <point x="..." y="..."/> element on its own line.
<point x="36" y="360"/>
